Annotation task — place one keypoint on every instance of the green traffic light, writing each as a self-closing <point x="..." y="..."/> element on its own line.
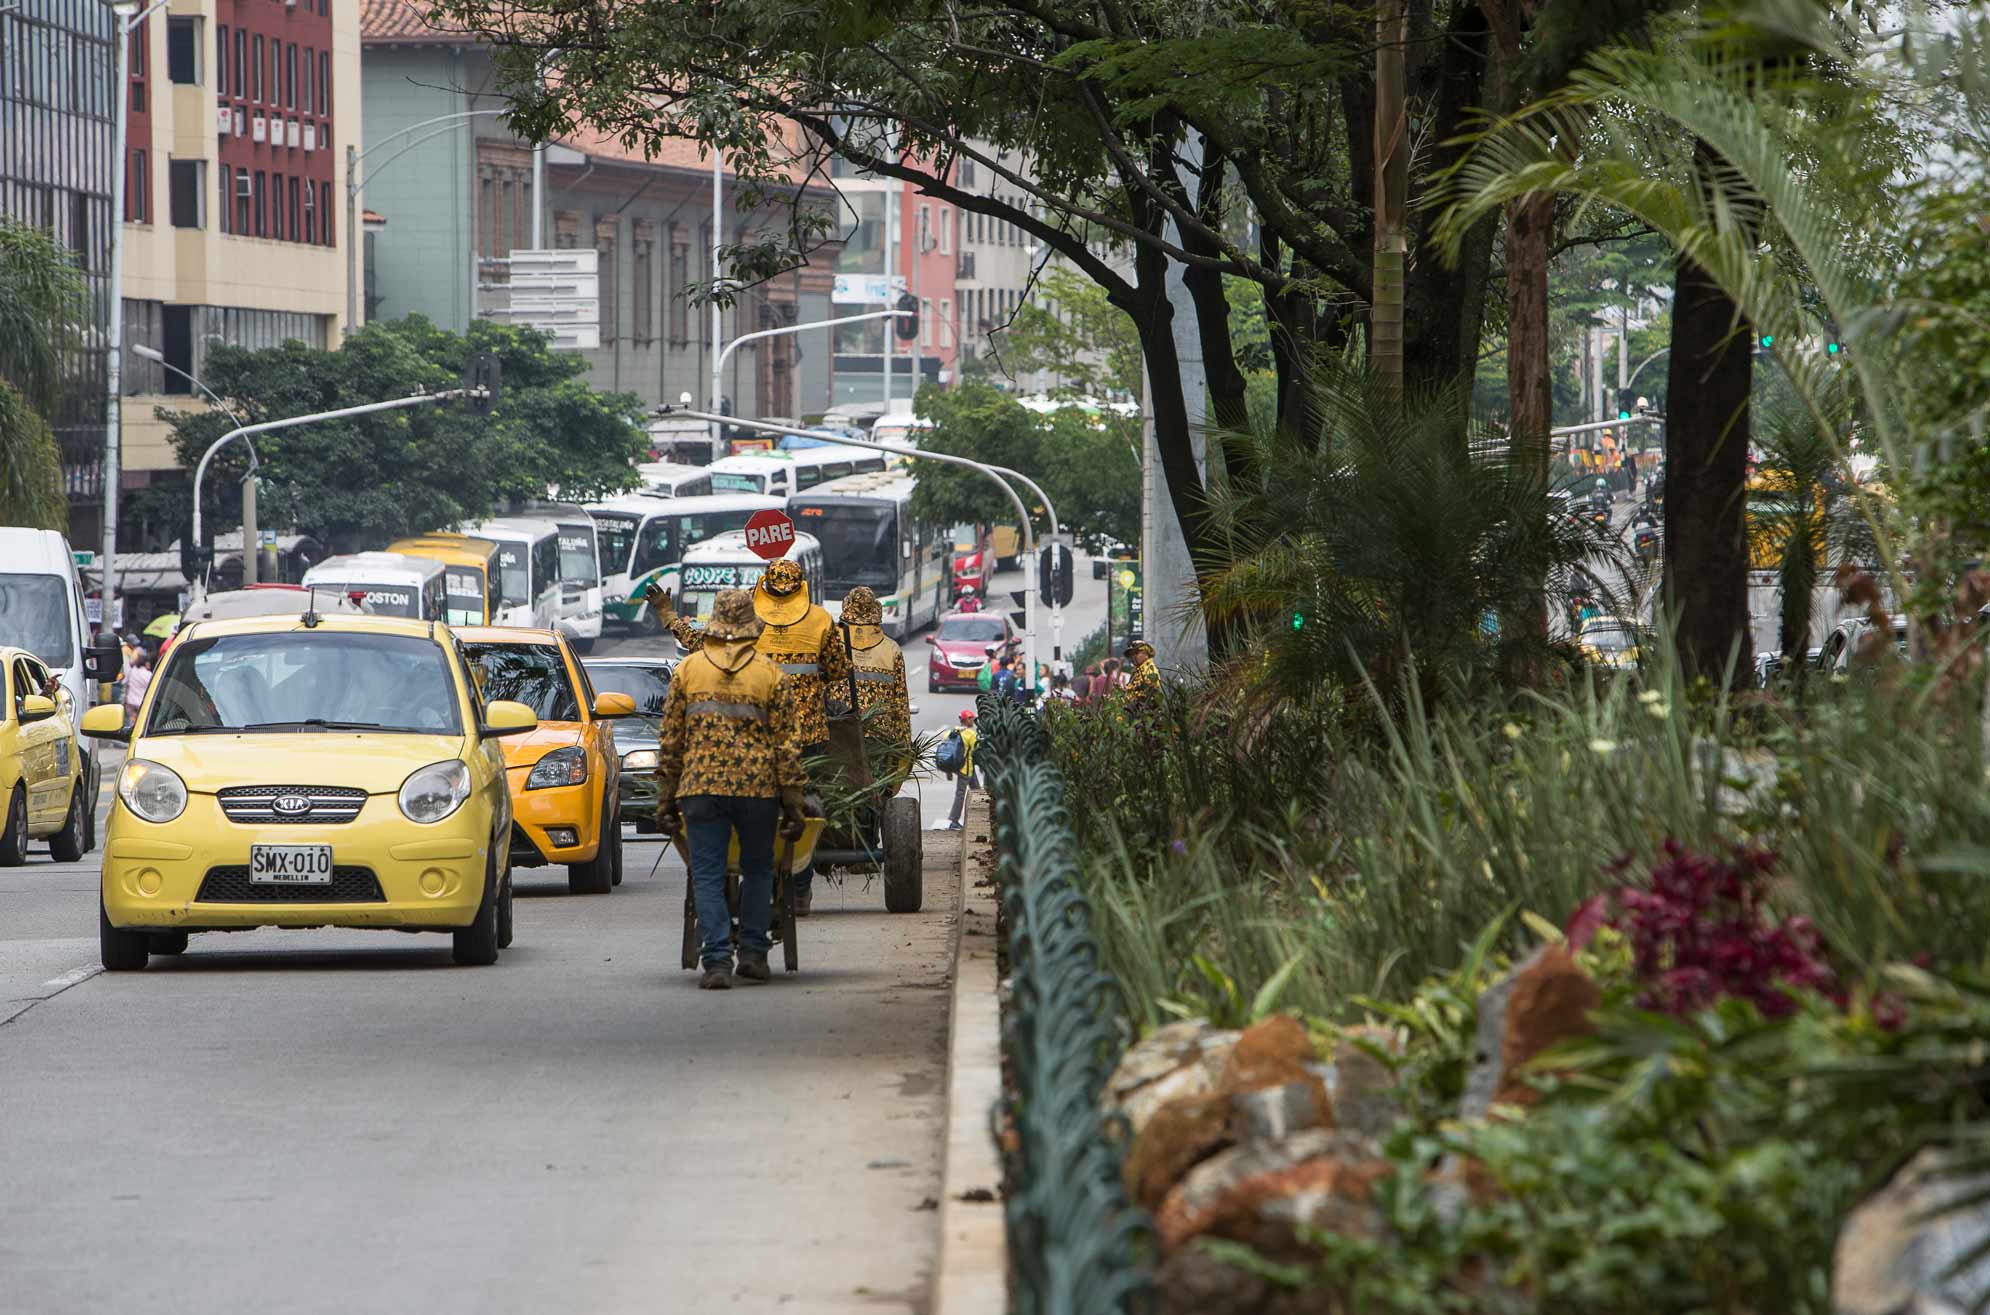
<point x="1768" y="340"/>
<point x="1298" y="620"/>
<point x="1832" y="348"/>
<point x="1623" y="414"/>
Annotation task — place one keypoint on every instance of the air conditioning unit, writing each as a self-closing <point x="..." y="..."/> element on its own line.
<point x="244" y="189"/>
<point x="290" y="137"/>
<point x="310" y="136"/>
<point x="223" y="121"/>
<point x="258" y="129"/>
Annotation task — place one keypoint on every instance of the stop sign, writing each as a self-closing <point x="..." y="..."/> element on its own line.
<point x="770" y="534"/>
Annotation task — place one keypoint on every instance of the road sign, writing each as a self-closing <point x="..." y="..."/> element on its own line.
<point x="82" y="558"/>
<point x="770" y="534"/>
<point x="865" y="289"/>
<point x="556" y="290"/>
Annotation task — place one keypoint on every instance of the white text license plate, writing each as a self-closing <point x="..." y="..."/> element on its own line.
<point x="291" y="865"/>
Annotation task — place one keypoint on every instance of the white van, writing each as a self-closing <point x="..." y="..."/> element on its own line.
<point x="664" y="479"/>
<point x="384" y="583"/>
<point x="41" y="610"/>
<point x="726" y="562"/>
<point x="782" y="474"/>
<point x="643" y="539"/>
<point x="528" y="562"/>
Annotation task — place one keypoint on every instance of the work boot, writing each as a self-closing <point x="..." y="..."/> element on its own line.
<point x="804" y="898"/>
<point x="718" y="977"/>
<point x="752" y="967"/>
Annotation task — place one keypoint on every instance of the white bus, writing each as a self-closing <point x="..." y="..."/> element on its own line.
<point x="782" y="474"/>
<point x="385" y="583"/>
<point x="528" y="569"/>
<point x="643" y="538"/>
<point x="869" y="537"/>
<point x="725" y="562"/>
<point x="664" y="479"/>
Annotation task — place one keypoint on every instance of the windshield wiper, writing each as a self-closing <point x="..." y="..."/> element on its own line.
<point x="320" y="724"/>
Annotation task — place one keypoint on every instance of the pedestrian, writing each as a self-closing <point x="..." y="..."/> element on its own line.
<point x="1061" y="691"/>
<point x="964" y="778"/>
<point x="1003" y="683"/>
<point x="137" y="679"/>
<point x="1144" y="688"/>
<point x="882" y="699"/>
<point x="729" y="762"/>
<point x="131" y="646"/>
<point x="1081" y="685"/>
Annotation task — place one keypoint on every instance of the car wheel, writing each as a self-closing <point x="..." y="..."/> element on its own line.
<point x="504" y="913"/>
<point x="122" y="951"/>
<point x="477" y="944"/>
<point x="167" y="942"/>
<point x="71" y="842"/>
<point x="903" y="857"/>
<point x="14" y="839"/>
<point x="92" y="782"/>
<point x="932" y="687"/>
<point x="615" y="837"/>
<point x="597" y="875"/>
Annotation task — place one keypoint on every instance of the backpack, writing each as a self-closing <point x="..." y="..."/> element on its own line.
<point x="951" y="756"/>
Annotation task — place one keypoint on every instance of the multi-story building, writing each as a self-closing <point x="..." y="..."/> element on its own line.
<point x="237" y="114"/>
<point x="995" y="258"/>
<point x="924" y="251"/>
<point x="56" y="150"/>
<point x="448" y="202"/>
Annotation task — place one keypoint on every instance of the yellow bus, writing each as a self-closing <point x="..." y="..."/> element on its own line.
<point x="469" y="573"/>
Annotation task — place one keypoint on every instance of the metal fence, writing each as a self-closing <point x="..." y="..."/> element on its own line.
<point x="1077" y="1246"/>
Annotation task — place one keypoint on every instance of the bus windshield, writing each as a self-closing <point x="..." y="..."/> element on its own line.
<point x="463" y="587"/>
<point x="859" y="545"/>
<point x="617" y="533"/>
<point x="514" y="575"/>
<point x="579" y="561"/>
<point x="737" y="481"/>
<point x="664" y="538"/>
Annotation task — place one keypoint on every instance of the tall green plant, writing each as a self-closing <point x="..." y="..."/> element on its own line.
<point x="41" y="297"/>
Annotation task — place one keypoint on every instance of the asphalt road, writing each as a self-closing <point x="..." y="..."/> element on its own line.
<point x="330" y="1121"/>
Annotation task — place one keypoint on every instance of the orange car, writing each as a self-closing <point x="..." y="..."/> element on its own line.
<point x="564" y="776"/>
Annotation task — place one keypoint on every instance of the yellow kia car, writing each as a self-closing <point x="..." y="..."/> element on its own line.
<point x="309" y="771"/>
<point x="566" y="775"/>
<point x="41" y="768"/>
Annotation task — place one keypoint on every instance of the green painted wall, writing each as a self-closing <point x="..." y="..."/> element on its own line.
<point x="422" y="256"/>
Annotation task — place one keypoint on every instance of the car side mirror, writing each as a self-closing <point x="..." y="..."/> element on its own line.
<point x="106" y="722"/>
<point x="614" y="705"/>
<point x="507" y="717"/>
<point x="36" y="707"/>
<point x="104" y="659"/>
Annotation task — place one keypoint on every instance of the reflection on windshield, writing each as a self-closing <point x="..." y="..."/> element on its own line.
<point x="859" y="545"/>
<point x="618" y="535"/>
<point x="532" y="674"/>
<point x="1612" y="640"/>
<point x="34" y="614"/>
<point x="285" y="681"/>
<point x="971" y="629"/>
<point x="578" y="559"/>
<point x="648" y="686"/>
<point x="514" y="583"/>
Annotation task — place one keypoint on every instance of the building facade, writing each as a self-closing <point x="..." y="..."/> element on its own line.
<point x="57" y="63"/>
<point x="922" y="249"/>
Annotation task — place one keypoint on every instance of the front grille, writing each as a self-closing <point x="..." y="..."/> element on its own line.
<point x="257" y="803"/>
<point x="231" y="885"/>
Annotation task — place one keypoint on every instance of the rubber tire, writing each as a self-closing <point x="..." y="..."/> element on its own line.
<point x="931" y="688"/>
<point x="615" y="832"/>
<point x="167" y="942"/>
<point x="14" y="838"/>
<point x="597" y="875"/>
<point x="476" y="945"/>
<point x="70" y="843"/>
<point x="904" y="890"/>
<point x="121" y="951"/>
<point x="504" y="913"/>
<point x="93" y="782"/>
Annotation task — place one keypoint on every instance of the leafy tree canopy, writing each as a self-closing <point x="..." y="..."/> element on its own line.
<point x="360" y="482"/>
<point x="1079" y="336"/>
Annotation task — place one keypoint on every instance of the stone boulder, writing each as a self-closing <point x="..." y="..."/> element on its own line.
<point x="1547" y="999"/>
<point x="1261" y="1193"/>
<point x="1361" y="1086"/>
<point x="1892" y="1258"/>
<point x="1170" y="1063"/>
<point x="1193" y="1282"/>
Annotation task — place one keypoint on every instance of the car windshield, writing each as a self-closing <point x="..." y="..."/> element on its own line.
<point x="305" y="680"/>
<point x="617" y="532"/>
<point x="971" y="629"/>
<point x="1610" y="639"/>
<point x="579" y="561"/>
<point x="532" y="674"/>
<point x="35" y="615"/>
<point x="648" y="686"/>
<point x="514" y="575"/>
<point x="737" y="481"/>
<point x="859" y="544"/>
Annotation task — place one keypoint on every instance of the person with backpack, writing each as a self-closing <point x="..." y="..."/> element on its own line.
<point x="955" y="757"/>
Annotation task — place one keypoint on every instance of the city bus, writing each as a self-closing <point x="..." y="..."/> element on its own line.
<point x="664" y="479"/>
<point x="869" y="537"/>
<point x="782" y="474"/>
<point x="469" y="573"/>
<point x="384" y="583"/>
<point x="725" y="562"/>
<point x="643" y="538"/>
<point x="528" y="561"/>
<point x="579" y="612"/>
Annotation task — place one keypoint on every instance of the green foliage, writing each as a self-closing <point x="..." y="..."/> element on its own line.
<point x="1085" y="339"/>
<point x="41" y="303"/>
<point x="1087" y="463"/>
<point x="424" y="467"/>
<point x="30" y="467"/>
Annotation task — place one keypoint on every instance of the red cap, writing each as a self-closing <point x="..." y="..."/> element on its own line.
<point x="967" y="714"/>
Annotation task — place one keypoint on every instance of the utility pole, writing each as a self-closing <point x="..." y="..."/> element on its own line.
<point x="718" y="239"/>
<point x="890" y="289"/>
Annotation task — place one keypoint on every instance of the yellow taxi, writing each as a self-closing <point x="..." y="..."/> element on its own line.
<point x="566" y="775"/>
<point x="1610" y="641"/>
<point x="41" y="765"/>
<point x="309" y="770"/>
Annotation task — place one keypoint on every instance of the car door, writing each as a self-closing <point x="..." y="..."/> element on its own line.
<point x="64" y="749"/>
<point x="37" y="741"/>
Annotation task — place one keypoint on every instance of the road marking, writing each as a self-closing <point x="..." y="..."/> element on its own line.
<point x="57" y="985"/>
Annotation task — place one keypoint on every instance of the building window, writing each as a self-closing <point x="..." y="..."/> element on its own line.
<point x="309" y="97"/>
<point x="946" y="230"/>
<point x="244" y="189"/>
<point x="486" y="219"/>
<point x="256" y="64"/>
<point x="137" y="196"/>
<point x="138" y="69"/>
<point x="221" y="61"/>
<point x="310" y="213"/>
<point x="325" y="213"/>
<point x="507" y="216"/>
<point x="324" y="82"/>
<point x="609" y="249"/>
<point x="293" y="209"/>
<point x="262" y="211"/>
<point x="643" y="273"/>
<point x="275" y="83"/>
<point x="680" y="306"/>
<point x="186" y="185"/>
<point x="947" y="319"/>
<point x="183" y="50"/>
<point x="925" y="321"/>
<point x="227" y="211"/>
<point x="239" y="84"/>
<point x="276" y="206"/>
<point x="290" y="75"/>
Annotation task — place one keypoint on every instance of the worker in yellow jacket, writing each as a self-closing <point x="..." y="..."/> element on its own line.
<point x="882" y="699"/>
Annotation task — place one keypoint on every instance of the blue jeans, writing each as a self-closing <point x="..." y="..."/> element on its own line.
<point x="709" y="823"/>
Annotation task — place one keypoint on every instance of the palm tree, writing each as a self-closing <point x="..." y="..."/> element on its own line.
<point x="40" y="295"/>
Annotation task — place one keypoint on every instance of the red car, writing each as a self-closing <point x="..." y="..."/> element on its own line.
<point x="960" y="648"/>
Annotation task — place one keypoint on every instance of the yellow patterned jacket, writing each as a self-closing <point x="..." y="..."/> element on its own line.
<point x="809" y="653"/>
<point x="880" y="666"/>
<point x="1145" y="686"/>
<point x="729" y="727"/>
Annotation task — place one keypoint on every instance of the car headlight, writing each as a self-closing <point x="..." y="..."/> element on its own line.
<point x="566" y="766"/>
<point x="152" y="790"/>
<point x="435" y="791"/>
<point x="639" y="760"/>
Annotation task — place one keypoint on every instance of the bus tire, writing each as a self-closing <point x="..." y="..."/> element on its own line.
<point x="903" y="857"/>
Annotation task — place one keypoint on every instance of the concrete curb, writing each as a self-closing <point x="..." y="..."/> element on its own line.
<point x="972" y="1275"/>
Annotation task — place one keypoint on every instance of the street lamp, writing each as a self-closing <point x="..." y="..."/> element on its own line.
<point x="250" y="551"/>
<point x="128" y="17"/>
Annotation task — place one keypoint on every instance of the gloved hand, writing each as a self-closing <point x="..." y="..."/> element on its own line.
<point x="793" y="820"/>
<point x="669" y="821"/>
<point x="659" y="598"/>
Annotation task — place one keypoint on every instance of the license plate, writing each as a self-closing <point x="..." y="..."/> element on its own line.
<point x="290" y="865"/>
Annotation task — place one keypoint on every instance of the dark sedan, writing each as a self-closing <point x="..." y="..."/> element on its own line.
<point x="647" y="681"/>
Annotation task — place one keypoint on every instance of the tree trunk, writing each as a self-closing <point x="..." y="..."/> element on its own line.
<point x="1528" y="226"/>
<point x="1706" y="476"/>
<point x="1392" y="185"/>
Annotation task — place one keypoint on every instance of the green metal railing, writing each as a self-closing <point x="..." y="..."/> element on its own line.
<point x="1077" y="1246"/>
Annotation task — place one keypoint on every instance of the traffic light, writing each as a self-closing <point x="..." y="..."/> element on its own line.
<point x="1834" y="348"/>
<point x="907" y="323"/>
<point x="1768" y="340"/>
<point x="1053" y="575"/>
<point x="1626" y="407"/>
<point x="1298" y="620"/>
<point x="482" y="377"/>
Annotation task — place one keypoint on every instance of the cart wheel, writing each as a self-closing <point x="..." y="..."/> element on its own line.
<point x="689" y="959"/>
<point x="790" y="958"/>
<point x="903" y="892"/>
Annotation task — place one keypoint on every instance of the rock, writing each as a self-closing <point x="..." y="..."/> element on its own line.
<point x="1275" y="1113"/>
<point x="1177" y="1137"/>
<point x="1546" y="999"/>
<point x="1258" y="1192"/>
<point x="1193" y="1282"/>
<point x="1170" y="1063"/>
<point x="1361" y="1086"/>
<point x="1892" y="1260"/>
<point x="1269" y="1053"/>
